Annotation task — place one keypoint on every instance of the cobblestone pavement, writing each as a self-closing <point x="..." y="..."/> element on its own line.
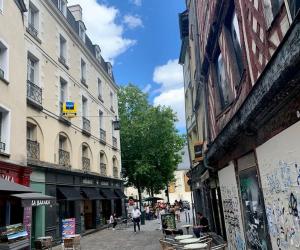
<point x="125" y="239"/>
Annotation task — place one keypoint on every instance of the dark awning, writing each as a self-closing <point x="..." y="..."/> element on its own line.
<point x="108" y="194"/>
<point x="69" y="193"/>
<point x="120" y="193"/>
<point x="92" y="193"/>
<point x="35" y="199"/>
<point x="10" y="187"/>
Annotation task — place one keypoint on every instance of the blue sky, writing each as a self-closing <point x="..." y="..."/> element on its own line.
<point x="141" y="39"/>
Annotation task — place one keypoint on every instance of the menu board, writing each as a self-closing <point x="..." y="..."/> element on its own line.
<point x="168" y="221"/>
<point x="68" y="227"/>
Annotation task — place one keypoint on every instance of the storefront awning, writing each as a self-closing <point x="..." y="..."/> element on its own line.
<point x="35" y="199"/>
<point x="108" y="194"/>
<point x="11" y="187"/>
<point x="92" y="194"/>
<point x="120" y="194"/>
<point x="69" y="193"/>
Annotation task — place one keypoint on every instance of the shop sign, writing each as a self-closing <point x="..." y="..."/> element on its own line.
<point x="37" y="203"/>
<point x="8" y="178"/>
<point x="198" y="149"/>
<point x="87" y="181"/>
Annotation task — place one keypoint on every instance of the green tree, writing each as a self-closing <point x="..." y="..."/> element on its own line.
<point x="149" y="141"/>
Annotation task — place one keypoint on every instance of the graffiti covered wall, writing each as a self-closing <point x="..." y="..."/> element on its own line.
<point x="231" y="208"/>
<point x="279" y="166"/>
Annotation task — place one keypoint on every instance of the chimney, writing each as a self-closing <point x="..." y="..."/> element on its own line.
<point x="76" y="10"/>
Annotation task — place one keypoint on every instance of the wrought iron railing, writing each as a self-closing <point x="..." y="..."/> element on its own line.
<point x="33" y="149"/>
<point x="102" y="135"/>
<point x="103" y="169"/>
<point x="86" y="164"/>
<point x="115" y="172"/>
<point x="1" y="73"/>
<point x="34" y="92"/>
<point x="32" y="30"/>
<point x="86" y="124"/>
<point x="115" y="142"/>
<point x="64" y="157"/>
<point x="2" y="146"/>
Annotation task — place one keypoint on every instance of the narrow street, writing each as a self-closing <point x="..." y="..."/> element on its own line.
<point x="126" y="239"/>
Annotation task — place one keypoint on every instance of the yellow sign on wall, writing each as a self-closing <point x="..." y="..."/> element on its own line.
<point x="69" y="109"/>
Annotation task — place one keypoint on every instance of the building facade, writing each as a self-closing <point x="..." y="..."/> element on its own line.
<point x="250" y="59"/>
<point x="75" y="160"/>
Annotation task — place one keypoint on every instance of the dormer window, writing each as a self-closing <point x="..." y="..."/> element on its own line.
<point x="62" y="6"/>
<point x="98" y="53"/>
<point x="109" y="69"/>
<point x="82" y="31"/>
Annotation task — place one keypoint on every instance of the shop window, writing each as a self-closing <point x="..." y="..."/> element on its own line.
<point x="3" y="61"/>
<point x="33" y="19"/>
<point x="4" y="130"/>
<point x="222" y="81"/>
<point x="232" y="25"/>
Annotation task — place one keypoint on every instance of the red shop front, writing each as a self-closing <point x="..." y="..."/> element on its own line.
<point x="15" y="173"/>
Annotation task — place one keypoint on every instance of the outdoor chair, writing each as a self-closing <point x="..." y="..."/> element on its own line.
<point x="219" y="247"/>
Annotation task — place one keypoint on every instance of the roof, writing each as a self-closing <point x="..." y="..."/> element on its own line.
<point x="185" y="164"/>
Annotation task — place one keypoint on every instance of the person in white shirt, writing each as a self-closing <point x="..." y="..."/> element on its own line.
<point x="136" y="215"/>
<point x="113" y="220"/>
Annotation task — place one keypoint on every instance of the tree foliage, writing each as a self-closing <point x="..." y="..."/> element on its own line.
<point x="149" y="141"/>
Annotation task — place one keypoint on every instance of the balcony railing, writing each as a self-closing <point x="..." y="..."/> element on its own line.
<point x="2" y="146"/>
<point x="64" y="157"/>
<point x="33" y="149"/>
<point x="32" y="30"/>
<point x="1" y="73"/>
<point x="86" y="125"/>
<point x="103" y="169"/>
<point x="86" y="164"/>
<point x="114" y="142"/>
<point x="34" y="93"/>
<point x="102" y="136"/>
<point x="115" y="172"/>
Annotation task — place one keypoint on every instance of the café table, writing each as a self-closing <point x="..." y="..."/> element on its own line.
<point x="187" y="227"/>
<point x="196" y="246"/>
<point x="189" y="241"/>
<point x="183" y="237"/>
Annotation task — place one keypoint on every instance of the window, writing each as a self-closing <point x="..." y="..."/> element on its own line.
<point x="33" y="19"/>
<point x="82" y="31"/>
<point x="62" y="6"/>
<point x="30" y="132"/>
<point x="98" y="53"/>
<point x="83" y="71"/>
<point x="62" y="142"/>
<point x="99" y="89"/>
<point x="63" y="49"/>
<point x="3" y="61"/>
<point x="111" y="100"/>
<point x="63" y="93"/>
<point x="101" y="119"/>
<point x="222" y="81"/>
<point x="84" y="151"/>
<point x="84" y="107"/>
<point x="232" y="26"/>
<point x="109" y="69"/>
<point x="4" y="129"/>
<point x="1" y="6"/>
<point x="32" y="69"/>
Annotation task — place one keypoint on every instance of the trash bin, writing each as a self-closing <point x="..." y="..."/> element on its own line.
<point x="143" y="218"/>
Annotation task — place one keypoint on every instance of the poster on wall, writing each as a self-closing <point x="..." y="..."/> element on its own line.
<point x="68" y="227"/>
<point x="27" y="220"/>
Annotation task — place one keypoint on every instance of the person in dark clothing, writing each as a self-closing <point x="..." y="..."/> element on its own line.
<point x="202" y="225"/>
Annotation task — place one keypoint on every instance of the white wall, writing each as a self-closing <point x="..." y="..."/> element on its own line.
<point x="279" y="165"/>
<point x="231" y="207"/>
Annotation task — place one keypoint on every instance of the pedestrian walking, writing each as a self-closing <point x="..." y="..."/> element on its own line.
<point x="113" y="221"/>
<point x="136" y="216"/>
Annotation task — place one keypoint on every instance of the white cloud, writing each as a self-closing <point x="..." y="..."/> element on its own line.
<point x="133" y="21"/>
<point x="170" y="77"/>
<point x="103" y="29"/>
<point x="136" y="2"/>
